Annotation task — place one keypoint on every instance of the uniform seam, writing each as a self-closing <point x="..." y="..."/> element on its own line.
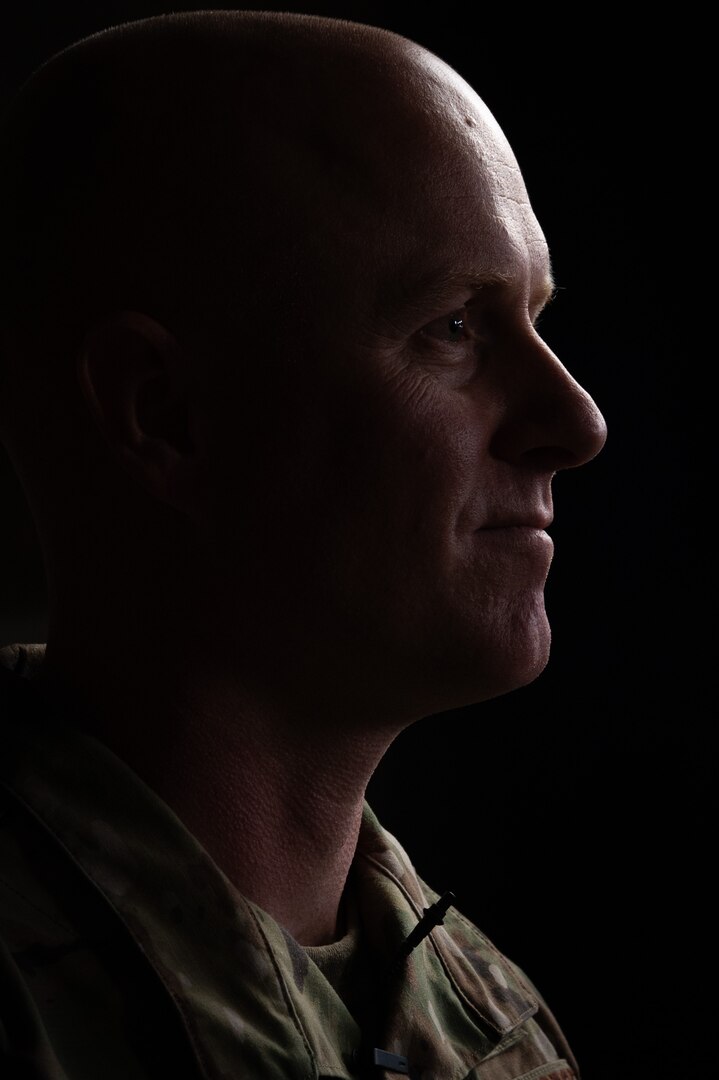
<point x="285" y="993"/>
<point x="542" y="1070"/>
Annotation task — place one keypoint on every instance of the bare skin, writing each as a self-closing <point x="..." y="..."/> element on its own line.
<point x="290" y="556"/>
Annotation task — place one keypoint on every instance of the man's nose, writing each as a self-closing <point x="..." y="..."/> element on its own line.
<point x="550" y="421"/>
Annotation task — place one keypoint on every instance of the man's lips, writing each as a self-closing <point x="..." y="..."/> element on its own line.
<point x="536" y="522"/>
<point x="517" y="534"/>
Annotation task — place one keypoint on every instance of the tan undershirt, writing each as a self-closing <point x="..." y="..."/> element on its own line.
<point x="348" y="968"/>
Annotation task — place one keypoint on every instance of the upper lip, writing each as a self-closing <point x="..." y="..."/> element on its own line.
<point x="537" y="520"/>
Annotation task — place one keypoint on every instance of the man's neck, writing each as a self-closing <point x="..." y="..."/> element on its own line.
<point x="276" y="800"/>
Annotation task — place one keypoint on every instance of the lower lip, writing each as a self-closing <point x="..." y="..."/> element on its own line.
<point x="519" y="535"/>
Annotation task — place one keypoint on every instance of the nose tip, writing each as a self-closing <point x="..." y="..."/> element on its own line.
<point x="591" y="429"/>
<point x="569" y="428"/>
<point x="554" y="424"/>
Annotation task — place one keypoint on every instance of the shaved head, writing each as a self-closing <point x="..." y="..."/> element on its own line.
<point x="203" y="168"/>
<point x="169" y="165"/>
<point x="182" y="165"/>
<point x="268" y="302"/>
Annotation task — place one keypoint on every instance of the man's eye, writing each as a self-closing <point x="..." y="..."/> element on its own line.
<point x="449" y="328"/>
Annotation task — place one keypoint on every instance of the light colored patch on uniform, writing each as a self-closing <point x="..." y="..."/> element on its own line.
<point x="501" y="1017"/>
<point x="447" y="942"/>
<point x="390" y="860"/>
<point x="399" y="850"/>
<point x="255" y="961"/>
<point x="541" y="1041"/>
<point x="394" y="846"/>
<point x="184" y="980"/>
<point x="435" y="1021"/>
<point x="234" y="1022"/>
<point x="324" y="1046"/>
<point x="499" y="975"/>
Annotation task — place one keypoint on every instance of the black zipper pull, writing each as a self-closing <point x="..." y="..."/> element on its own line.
<point x="433" y="916"/>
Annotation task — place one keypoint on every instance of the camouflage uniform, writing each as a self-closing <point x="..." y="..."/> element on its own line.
<point x="126" y="954"/>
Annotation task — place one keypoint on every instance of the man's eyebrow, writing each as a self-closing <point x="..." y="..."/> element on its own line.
<point x="544" y="293"/>
<point x="437" y="288"/>
<point x="433" y="289"/>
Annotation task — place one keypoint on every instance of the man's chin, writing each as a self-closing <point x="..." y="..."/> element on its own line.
<point x="501" y="666"/>
<point x="524" y="656"/>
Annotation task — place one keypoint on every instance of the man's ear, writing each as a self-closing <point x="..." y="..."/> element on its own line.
<point x="132" y="377"/>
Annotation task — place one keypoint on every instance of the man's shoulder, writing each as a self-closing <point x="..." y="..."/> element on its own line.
<point x="458" y="972"/>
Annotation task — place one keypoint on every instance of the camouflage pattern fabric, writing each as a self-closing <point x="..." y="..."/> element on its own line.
<point x="126" y="954"/>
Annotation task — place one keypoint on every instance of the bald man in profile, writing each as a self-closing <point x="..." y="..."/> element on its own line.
<point x="270" y="377"/>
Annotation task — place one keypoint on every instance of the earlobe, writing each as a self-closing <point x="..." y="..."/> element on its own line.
<point x="131" y="374"/>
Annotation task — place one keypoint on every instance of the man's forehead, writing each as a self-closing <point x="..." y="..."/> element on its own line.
<point x="436" y="194"/>
<point x="465" y="228"/>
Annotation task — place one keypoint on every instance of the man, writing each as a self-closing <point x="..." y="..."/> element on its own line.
<point x="272" y="384"/>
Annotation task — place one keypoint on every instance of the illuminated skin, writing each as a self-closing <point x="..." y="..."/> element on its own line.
<point x="399" y="444"/>
<point x="364" y="482"/>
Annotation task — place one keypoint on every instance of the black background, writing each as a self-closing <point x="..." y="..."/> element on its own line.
<point x="570" y="817"/>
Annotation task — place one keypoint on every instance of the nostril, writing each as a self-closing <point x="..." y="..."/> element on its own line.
<point x="550" y="458"/>
<point x="555" y="425"/>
